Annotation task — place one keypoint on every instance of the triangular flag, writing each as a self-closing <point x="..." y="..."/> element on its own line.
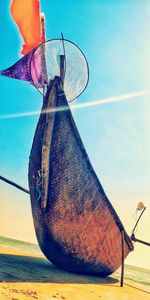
<point x="31" y="67"/>
<point x="28" y="68"/>
<point x="21" y="69"/>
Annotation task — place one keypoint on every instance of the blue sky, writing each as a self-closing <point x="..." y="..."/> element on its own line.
<point x="115" y="37"/>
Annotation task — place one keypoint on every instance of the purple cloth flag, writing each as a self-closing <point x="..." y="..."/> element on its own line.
<point x="22" y="68"/>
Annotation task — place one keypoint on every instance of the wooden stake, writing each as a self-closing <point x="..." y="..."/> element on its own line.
<point x="122" y="253"/>
<point x="62" y="68"/>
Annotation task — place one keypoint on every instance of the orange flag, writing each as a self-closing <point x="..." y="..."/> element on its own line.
<point x="26" y="14"/>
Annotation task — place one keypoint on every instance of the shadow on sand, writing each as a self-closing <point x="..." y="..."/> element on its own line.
<point x="15" y="268"/>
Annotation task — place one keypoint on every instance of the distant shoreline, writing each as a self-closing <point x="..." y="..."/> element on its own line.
<point x="26" y="273"/>
<point x="12" y="242"/>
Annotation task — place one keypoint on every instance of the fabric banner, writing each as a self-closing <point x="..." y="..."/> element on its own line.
<point x="26" y="14"/>
<point x="30" y="67"/>
<point x="21" y="69"/>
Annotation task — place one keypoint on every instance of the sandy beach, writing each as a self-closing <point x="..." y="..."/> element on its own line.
<point x="26" y="276"/>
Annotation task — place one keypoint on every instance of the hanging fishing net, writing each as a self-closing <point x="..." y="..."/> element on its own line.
<point x="45" y="65"/>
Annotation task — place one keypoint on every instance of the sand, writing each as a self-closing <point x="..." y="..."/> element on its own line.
<point x="25" y="277"/>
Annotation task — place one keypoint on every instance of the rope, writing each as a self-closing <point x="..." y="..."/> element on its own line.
<point x="38" y="184"/>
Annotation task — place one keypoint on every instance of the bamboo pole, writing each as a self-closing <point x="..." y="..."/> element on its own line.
<point x="14" y="184"/>
<point x="62" y="68"/>
<point x="122" y="253"/>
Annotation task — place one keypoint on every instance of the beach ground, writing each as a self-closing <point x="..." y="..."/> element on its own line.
<point x="23" y="277"/>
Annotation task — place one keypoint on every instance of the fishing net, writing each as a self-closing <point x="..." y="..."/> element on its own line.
<point x="45" y="65"/>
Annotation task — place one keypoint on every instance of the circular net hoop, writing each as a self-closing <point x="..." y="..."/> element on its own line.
<point x="45" y="65"/>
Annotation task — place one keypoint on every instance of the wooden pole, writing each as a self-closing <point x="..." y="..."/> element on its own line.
<point x="42" y="19"/>
<point x="122" y="254"/>
<point x="62" y="68"/>
<point x="133" y="238"/>
<point x="14" y="184"/>
<point x="138" y="220"/>
<point x="43" y="58"/>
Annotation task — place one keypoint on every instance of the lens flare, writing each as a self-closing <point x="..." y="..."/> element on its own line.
<point x="80" y="105"/>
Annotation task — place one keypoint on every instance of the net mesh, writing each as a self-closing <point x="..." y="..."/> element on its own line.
<point x="45" y="65"/>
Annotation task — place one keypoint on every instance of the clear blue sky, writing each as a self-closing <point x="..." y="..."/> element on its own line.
<point x="115" y="37"/>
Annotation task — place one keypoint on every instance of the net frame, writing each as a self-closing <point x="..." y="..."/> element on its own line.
<point x="63" y="40"/>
